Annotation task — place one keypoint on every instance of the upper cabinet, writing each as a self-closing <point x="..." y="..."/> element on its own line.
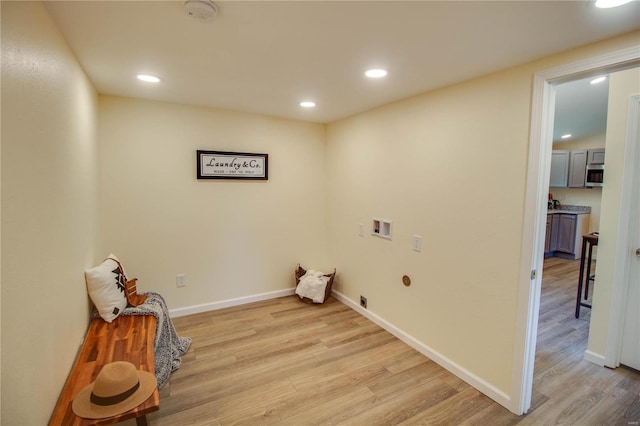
<point x="559" y="169"/>
<point x="595" y="156"/>
<point x="569" y="168"/>
<point x="577" y="168"/>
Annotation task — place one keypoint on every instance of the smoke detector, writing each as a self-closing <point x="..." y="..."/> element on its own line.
<point x="201" y="10"/>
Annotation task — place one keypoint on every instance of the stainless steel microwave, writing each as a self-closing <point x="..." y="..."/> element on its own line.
<point x="595" y="175"/>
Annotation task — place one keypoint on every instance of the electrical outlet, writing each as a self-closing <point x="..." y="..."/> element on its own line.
<point x="363" y="302"/>
<point x="181" y="280"/>
<point x="361" y="230"/>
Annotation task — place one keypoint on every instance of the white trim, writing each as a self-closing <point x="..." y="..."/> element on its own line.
<point x="534" y="222"/>
<point x="594" y="358"/>
<point x="624" y="244"/>
<point x="609" y="62"/>
<point x="533" y="242"/>
<point x="213" y="306"/>
<point x="486" y="388"/>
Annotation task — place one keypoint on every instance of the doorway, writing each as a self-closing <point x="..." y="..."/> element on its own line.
<point x="536" y="208"/>
<point x="579" y="135"/>
<point x="579" y="131"/>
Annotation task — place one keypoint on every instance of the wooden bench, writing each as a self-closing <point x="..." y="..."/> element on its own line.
<point x="127" y="338"/>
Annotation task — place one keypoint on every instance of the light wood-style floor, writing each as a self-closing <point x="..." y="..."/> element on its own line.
<point x="283" y="362"/>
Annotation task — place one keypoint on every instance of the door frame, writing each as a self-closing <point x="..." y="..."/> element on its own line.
<point x="535" y="211"/>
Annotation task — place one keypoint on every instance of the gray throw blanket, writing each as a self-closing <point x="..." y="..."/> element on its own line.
<point x="168" y="347"/>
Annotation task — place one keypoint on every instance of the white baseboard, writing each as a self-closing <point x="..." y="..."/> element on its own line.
<point x="206" y="307"/>
<point x="594" y="358"/>
<point x="492" y="392"/>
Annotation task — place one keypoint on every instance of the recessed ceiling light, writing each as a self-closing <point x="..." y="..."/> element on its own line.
<point x="567" y="136"/>
<point x="606" y="4"/>
<point x="148" y="78"/>
<point x="598" y="80"/>
<point x="376" y="73"/>
<point x="307" y="104"/>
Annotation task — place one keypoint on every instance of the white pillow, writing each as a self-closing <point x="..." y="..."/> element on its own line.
<point x="105" y="284"/>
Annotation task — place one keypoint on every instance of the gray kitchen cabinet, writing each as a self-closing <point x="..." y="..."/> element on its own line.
<point x="551" y="237"/>
<point x="553" y="246"/>
<point x="595" y="156"/>
<point x="547" y="237"/>
<point x="559" y="169"/>
<point x="567" y="233"/>
<point x="577" y="168"/>
<point x="571" y="228"/>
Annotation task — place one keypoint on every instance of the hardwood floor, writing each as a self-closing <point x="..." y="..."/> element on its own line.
<point x="283" y="362"/>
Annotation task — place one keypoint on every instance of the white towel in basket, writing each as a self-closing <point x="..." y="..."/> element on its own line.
<point x="312" y="285"/>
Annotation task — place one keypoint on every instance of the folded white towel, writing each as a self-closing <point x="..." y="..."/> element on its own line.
<point x="312" y="285"/>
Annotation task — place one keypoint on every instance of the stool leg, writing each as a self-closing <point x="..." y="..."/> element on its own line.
<point x="141" y="421"/>
<point x="580" y="278"/>
<point x="586" y="287"/>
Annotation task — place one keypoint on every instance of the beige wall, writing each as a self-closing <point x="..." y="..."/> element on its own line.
<point x="621" y="86"/>
<point x="591" y="197"/>
<point x="231" y="238"/>
<point x="588" y="142"/>
<point x="49" y="210"/>
<point x="450" y="166"/>
<point x="0" y="225"/>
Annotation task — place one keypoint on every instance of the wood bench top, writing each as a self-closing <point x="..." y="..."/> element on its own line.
<point x="127" y="338"/>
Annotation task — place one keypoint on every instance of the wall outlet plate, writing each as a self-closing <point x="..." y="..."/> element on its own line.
<point x="181" y="280"/>
<point x="417" y="243"/>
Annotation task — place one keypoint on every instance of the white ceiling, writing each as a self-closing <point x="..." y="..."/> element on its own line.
<point x="581" y="109"/>
<point x="267" y="56"/>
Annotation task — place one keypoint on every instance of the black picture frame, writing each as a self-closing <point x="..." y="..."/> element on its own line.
<point x="232" y="165"/>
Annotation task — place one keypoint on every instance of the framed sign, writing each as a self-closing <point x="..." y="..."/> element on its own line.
<point x="232" y="165"/>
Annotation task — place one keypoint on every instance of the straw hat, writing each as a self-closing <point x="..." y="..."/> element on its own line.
<point x="118" y="388"/>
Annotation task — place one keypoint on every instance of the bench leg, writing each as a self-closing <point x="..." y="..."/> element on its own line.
<point x="141" y="421"/>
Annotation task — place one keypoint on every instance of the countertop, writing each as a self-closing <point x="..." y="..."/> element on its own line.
<point x="569" y="209"/>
